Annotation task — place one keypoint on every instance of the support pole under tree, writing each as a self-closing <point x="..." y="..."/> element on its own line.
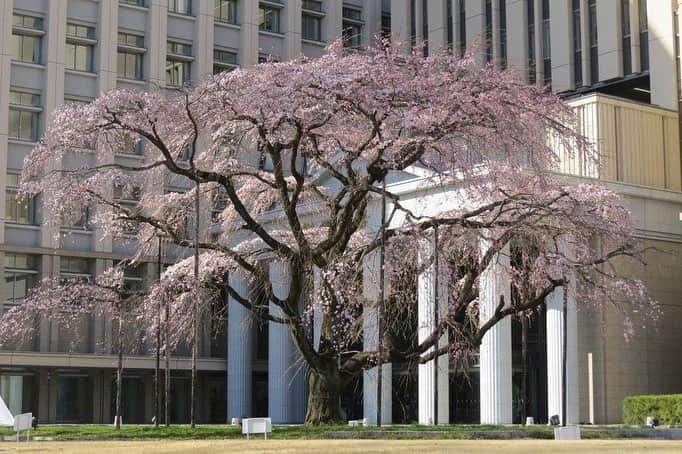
<point x="435" y="323"/>
<point x="195" y="310"/>
<point x="524" y="365"/>
<point x="166" y="352"/>
<point x="380" y="302"/>
<point x="564" y="351"/>
<point x="157" y="393"/>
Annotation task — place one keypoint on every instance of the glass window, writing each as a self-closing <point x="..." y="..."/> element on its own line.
<point x="134" y="2"/>
<point x="21" y="275"/>
<point x="352" y="35"/>
<point x="26" y="48"/>
<point x="79" y="219"/>
<point x="79" y="57"/>
<point x="129" y="65"/>
<point x="268" y="19"/>
<point x="224" y="60"/>
<point x="180" y="6"/>
<point x="226" y="11"/>
<point x="462" y="27"/>
<point x="177" y="72"/>
<point x="75" y="268"/>
<point x="176" y="48"/>
<point x="23" y="21"/>
<point x="23" y="121"/>
<point x="74" y="399"/>
<point x="80" y="31"/>
<point x="130" y="39"/>
<point x="19" y="210"/>
<point x="312" y="5"/>
<point x="311" y="27"/>
<point x="352" y="13"/>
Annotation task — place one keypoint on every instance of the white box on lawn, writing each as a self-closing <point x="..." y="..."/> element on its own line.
<point x="23" y="422"/>
<point x="256" y="426"/>
<point x="567" y="433"/>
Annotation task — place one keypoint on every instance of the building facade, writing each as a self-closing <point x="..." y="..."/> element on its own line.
<point x="616" y="61"/>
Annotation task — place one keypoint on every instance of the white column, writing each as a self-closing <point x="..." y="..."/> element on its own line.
<point x="370" y="343"/>
<point x="286" y="371"/>
<point x="555" y="340"/>
<point x="240" y="341"/>
<point x="426" y="326"/>
<point x="495" y="351"/>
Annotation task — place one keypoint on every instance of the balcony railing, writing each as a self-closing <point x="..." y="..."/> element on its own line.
<point x="636" y="143"/>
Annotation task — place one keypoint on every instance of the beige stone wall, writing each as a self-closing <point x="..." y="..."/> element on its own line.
<point x="650" y="362"/>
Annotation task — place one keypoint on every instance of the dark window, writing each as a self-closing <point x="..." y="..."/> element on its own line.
<point x="311" y="27"/>
<point x="577" y="45"/>
<point x="425" y="28"/>
<point x="268" y="19"/>
<point x="643" y="35"/>
<point x="530" y="16"/>
<point x="594" y="42"/>
<point x="625" y="30"/>
<point x="488" y="31"/>
<point x="180" y="6"/>
<point x="462" y="27"/>
<point x="546" y="43"/>
<point x="225" y="11"/>
<point x="449" y="25"/>
<point x="503" y="33"/>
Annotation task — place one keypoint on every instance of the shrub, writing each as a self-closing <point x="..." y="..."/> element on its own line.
<point x="666" y="407"/>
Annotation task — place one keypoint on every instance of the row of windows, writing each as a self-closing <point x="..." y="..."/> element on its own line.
<point x="21" y="274"/>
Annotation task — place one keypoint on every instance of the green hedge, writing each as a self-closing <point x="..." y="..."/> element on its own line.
<point x="666" y="407"/>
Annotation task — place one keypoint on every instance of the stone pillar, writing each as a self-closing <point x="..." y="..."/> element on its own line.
<point x="475" y="26"/>
<point x="370" y="343"/>
<point x="609" y="42"/>
<point x="155" y="40"/>
<point x="248" y="47"/>
<point x="661" y="50"/>
<point x="425" y="319"/>
<point x="555" y="341"/>
<point x="438" y="26"/>
<point x="400" y="23"/>
<point x="203" y="39"/>
<point x="495" y="350"/>
<point x="239" y="351"/>
<point x="561" y="16"/>
<point x="292" y="26"/>
<point x="517" y="35"/>
<point x="286" y="371"/>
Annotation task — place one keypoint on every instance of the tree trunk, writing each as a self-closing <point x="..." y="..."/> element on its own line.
<point x="119" y="372"/>
<point x="324" y="393"/>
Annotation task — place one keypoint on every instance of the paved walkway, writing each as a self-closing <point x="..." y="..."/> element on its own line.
<point x="348" y="446"/>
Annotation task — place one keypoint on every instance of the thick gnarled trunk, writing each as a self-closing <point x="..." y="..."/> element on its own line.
<point x="324" y="384"/>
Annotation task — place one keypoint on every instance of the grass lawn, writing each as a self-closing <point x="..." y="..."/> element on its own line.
<point x="349" y="446"/>
<point x="224" y="432"/>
